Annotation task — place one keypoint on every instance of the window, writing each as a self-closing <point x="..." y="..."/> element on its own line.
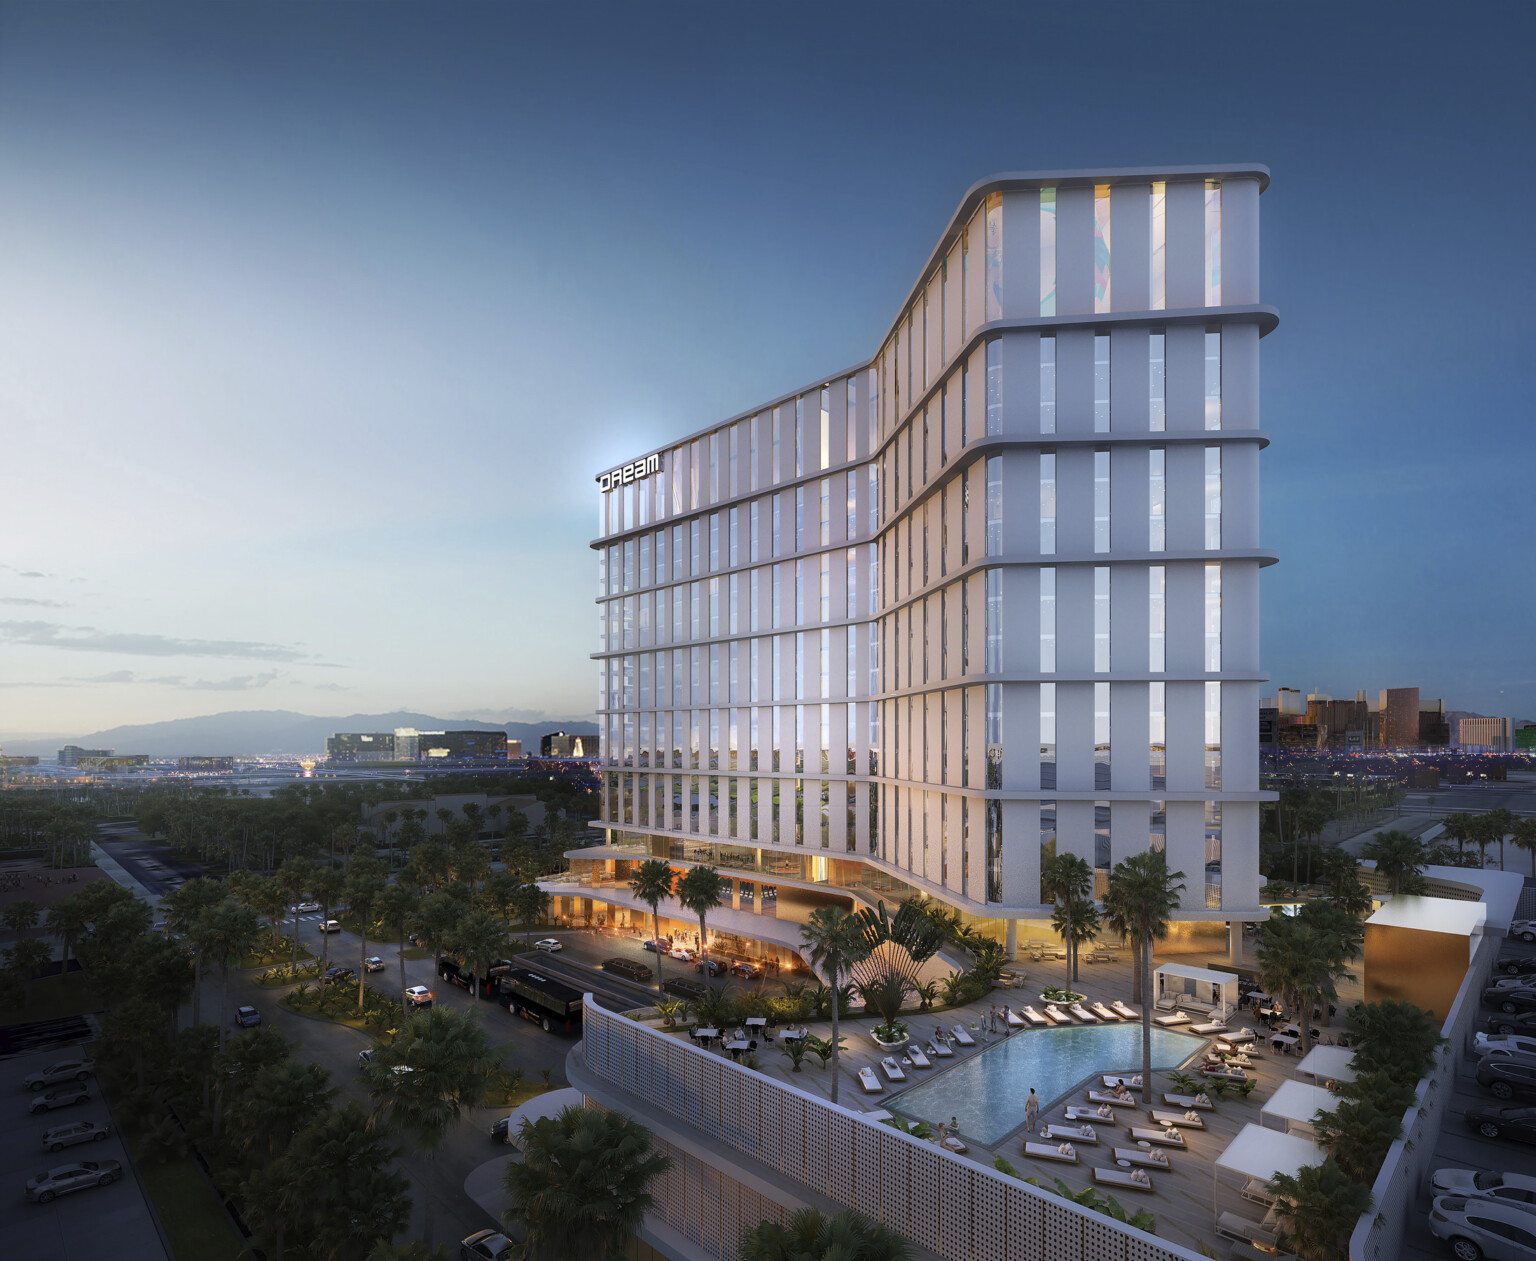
<point x="1101" y="736"/>
<point x="1157" y="500"/>
<point x="1159" y="251"/>
<point x="800" y="436"/>
<point x="1047" y="385"/>
<point x="1212" y="242"/>
<point x="1047" y="736"/>
<point x="799" y="518"/>
<point x="994" y="621"/>
<point x="1101" y="249"/>
<point x="994" y="386"/>
<point x="1213" y="380"/>
<point x="1212" y="498"/>
<point x="1213" y="617"/>
<point x="965" y="404"/>
<point x="994" y="701"/>
<point x="1047" y="251"/>
<point x="1048" y="503"/>
<point x="1101" y="619"/>
<point x="1157" y="735"/>
<point x="826" y="430"/>
<point x="994" y="256"/>
<point x="1213" y="855"/>
<point x="1213" y="735"/>
<point x="1156" y="618"/>
<point x="851" y="429"/>
<point x="826" y="511"/>
<point x="994" y="850"/>
<point x="994" y="505"/>
<point x="1101" y="383"/>
<point x="1157" y="383"/>
<point x="1101" y="501"/>
<point x="1048" y="620"/>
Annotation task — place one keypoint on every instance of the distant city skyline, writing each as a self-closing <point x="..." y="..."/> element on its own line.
<point x="318" y="322"/>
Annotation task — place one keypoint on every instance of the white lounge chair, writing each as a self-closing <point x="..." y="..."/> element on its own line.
<point x="919" y="1060"/>
<point x="1210" y="1027"/>
<point x="962" y="1037"/>
<point x="1104" y="1013"/>
<point x="1146" y="1157"/>
<point x="1130" y="1082"/>
<point x="1245" y="1034"/>
<point x="1015" y="1021"/>
<point x="892" y="1069"/>
<point x="1056" y="1014"/>
<point x="1129" y="1013"/>
<point x="1070" y="1133"/>
<point x="1128" y="1179"/>
<point x="1202" y="1102"/>
<point x="869" y="1081"/>
<point x="1166" y="1003"/>
<point x="941" y="1050"/>
<point x="1168" y="1022"/>
<point x="1102" y="1113"/>
<point x="1114" y="1101"/>
<point x="1045" y="1151"/>
<point x="1083" y="1014"/>
<point x="1189" y="1119"/>
<point x="953" y="1143"/>
<point x="1034" y="1017"/>
<point x="1162" y="1137"/>
<point x="1246" y="1230"/>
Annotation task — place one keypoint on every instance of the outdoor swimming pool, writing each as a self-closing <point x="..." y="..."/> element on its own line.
<point x="987" y="1092"/>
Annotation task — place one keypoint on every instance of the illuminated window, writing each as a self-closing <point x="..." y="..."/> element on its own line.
<point x="1047" y="503"/>
<point x="1101" y="250"/>
<point x="1048" y="620"/>
<point x="1213" y="498"/>
<point x="1213" y="735"/>
<point x="1213" y="617"/>
<point x="1157" y="383"/>
<point x="1159" y="252"/>
<point x="1047" y="736"/>
<point x="1157" y="519"/>
<point x="1101" y="736"/>
<point x="1047" y="251"/>
<point x="994" y="256"/>
<point x="1212" y="243"/>
<point x="1213" y="380"/>
<point x="994" y="387"/>
<point x="1047" y="385"/>
<point x="995" y="505"/>
<point x="1101" y="501"/>
<point x="1157" y="735"/>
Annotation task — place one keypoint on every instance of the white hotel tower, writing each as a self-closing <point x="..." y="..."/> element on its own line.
<point x="991" y="594"/>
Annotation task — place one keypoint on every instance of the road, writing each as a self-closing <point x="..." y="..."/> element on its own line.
<point x="148" y="862"/>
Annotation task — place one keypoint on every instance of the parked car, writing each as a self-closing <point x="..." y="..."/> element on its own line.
<point x="61" y="1097"/>
<point x="247" y="1017"/>
<point x="1510" y="998"/>
<point x="1508" y="1188"/>
<point x="1521" y="1022"/>
<point x="713" y="966"/>
<point x="1506" y="1076"/>
<point x="75" y="1069"/>
<point x="627" y="968"/>
<point x="486" y="1245"/>
<point x="681" y="952"/>
<point x="657" y="945"/>
<point x="1524" y="929"/>
<point x="419" y="996"/>
<point x="1509" y="1044"/>
<point x="373" y="964"/>
<point x="62" y="1136"/>
<point x="66" y="1178"/>
<point x="338" y="974"/>
<point x="304" y="908"/>
<point x="1517" y="965"/>
<point x="1483" y="1228"/>
<point x="331" y="926"/>
<point x="688" y="991"/>
<point x="746" y="969"/>
<point x="501" y="1132"/>
<point x="1493" y="1122"/>
<point x="550" y="945"/>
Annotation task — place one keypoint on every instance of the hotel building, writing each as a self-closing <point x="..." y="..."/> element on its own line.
<point x="990" y="595"/>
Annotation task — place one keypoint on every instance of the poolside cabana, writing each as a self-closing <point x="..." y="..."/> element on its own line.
<point x="1256" y="1155"/>
<point x="1208" y="988"/>
<point x="1327" y="1063"/>
<point x="1291" y="1108"/>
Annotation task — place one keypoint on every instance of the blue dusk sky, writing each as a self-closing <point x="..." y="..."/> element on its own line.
<point x="316" y="320"/>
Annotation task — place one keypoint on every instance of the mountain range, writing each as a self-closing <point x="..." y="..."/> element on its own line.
<point x="259" y="732"/>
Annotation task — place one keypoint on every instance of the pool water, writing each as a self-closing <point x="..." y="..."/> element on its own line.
<point x="986" y="1093"/>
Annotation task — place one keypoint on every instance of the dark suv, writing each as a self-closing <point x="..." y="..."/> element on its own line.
<point x="627" y="968"/>
<point x="1506" y="1077"/>
<point x="713" y="966"/>
<point x="688" y="991"/>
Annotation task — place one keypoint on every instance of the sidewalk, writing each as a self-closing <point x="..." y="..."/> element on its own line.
<point x="116" y="870"/>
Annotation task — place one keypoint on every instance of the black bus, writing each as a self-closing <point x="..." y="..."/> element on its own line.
<point x="551" y="1004"/>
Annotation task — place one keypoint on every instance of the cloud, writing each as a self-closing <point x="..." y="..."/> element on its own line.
<point x="330" y="687"/>
<point x="21" y="599"/>
<point x="115" y="676"/>
<point x="37" y="685"/>
<point x="89" y="639"/>
<point x="240" y="683"/>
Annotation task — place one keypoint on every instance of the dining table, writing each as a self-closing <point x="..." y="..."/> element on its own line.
<point x="756" y="1022"/>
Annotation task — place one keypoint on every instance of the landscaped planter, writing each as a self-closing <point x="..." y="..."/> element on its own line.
<point x="900" y="1041"/>
<point x="1071" y="997"/>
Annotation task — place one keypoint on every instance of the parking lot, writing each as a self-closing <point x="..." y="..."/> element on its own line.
<point x="96" y="1221"/>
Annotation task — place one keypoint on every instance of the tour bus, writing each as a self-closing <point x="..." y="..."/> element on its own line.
<point x="551" y="1004"/>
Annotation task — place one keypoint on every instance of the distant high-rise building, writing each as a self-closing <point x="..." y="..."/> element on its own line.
<point x="1493" y="735"/>
<point x="71" y="754"/>
<point x="205" y="763"/>
<point x="406" y="744"/>
<point x="1434" y="730"/>
<point x="1399" y="718"/>
<point x="563" y="744"/>
<point x="369" y="746"/>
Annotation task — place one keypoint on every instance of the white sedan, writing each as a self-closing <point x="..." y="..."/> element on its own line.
<point x="1509" y="1188"/>
<point x="1476" y="1227"/>
<point x="550" y="944"/>
<point x="303" y="908"/>
<point x="680" y="952"/>
<point x="1505" y="1044"/>
<point x="419" y="996"/>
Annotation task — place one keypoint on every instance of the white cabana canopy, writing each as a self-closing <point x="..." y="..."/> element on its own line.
<point x="1203" y="984"/>
<point x="1259" y="1152"/>
<point x="1295" y="1103"/>
<point x="1327" y="1063"/>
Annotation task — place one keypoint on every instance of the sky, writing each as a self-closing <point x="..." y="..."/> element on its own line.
<point x="317" y="320"/>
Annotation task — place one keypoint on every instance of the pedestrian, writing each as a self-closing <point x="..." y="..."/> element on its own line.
<point x="1031" y="1110"/>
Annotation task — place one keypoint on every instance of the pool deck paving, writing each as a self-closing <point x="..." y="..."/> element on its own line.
<point x="1186" y="1198"/>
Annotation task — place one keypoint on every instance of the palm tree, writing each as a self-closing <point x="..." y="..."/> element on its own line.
<point x="67" y="919"/>
<point x="1480" y="833"/>
<point x="21" y="915"/>
<point x="1524" y="838"/>
<point x="182" y="907"/>
<point x="482" y="939"/>
<point x="1501" y="822"/>
<point x="582" y="1188"/>
<point x="1319" y="1208"/>
<point x="1065" y="879"/>
<point x="1303" y="963"/>
<point x="1398" y="857"/>
<point x="1145" y="895"/>
<point x="295" y="877"/>
<point x="398" y="906"/>
<point x="226" y="933"/>
<point x="327" y="886"/>
<point x="701" y="890"/>
<point x="365" y="885"/>
<point x="1458" y="826"/>
<point x="530" y="903"/>
<point x="24" y="959"/>
<point x="833" y="939"/>
<point x="651" y="883"/>
<point x="1393" y="1038"/>
<point x="810" y="1236"/>
<point x="1357" y="1134"/>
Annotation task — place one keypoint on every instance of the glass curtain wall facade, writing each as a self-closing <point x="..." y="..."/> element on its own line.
<point x="1001" y="580"/>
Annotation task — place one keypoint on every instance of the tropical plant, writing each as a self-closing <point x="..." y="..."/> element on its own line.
<point x="670" y="1010"/>
<point x="716" y="1007"/>
<point x="1394" y="1038"/>
<point x="530" y="904"/>
<point x="1357" y="1134"/>
<point x="1144" y="895"/>
<point x="927" y="994"/>
<point x="1066" y="879"/>
<point x="824" y="1049"/>
<point x="1524" y="838"/>
<point x="1398" y="858"/>
<point x="1075" y="922"/>
<point x="294" y="878"/>
<point x="327" y="887"/>
<point x="835" y="940"/>
<point x="886" y="994"/>
<point x="23" y="960"/>
<point x="365" y="885"/>
<point x="1458" y="826"/>
<point x="952" y="987"/>
<point x="437" y="921"/>
<point x="224" y="932"/>
<point x="21" y="916"/>
<point x="651" y="884"/>
<point x="1501" y="822"/>
<point x="1318" y="1208"/>
<point x="1345" y="931"/>
<point x="482" y="939"/>
<point x="899" y="943"/>
<point x="398" y="907"/>
<point x="1302" y="964"/>
<point x="701" y="890"/>
<point x="582" y="1187"/>
<point x="811" y="1236"/>
<point x="182" y="906"/>
<point x="796" y="1049"/>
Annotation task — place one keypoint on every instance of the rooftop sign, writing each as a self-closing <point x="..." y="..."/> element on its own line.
<point x="632" y="472"/>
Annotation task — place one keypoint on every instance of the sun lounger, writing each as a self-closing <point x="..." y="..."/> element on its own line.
<point x="919" y="1060"/>
<point x="1167" y="1022"/>
<point x="952" y="1143"/>
<point x="1163" y="1138"/>
<point x="1015" y="1021"/>
<point x="1129" y="1179"/>
<point x="1130" y="1013"/>
<point x="1190" y="1101"/>
<point x="1083" y="1014"/>
<point x="1250" y="1049"/>
<point x="1056" y="1014"/>
<point x="1205" y="1030"/>
<point x="1244" y="1034"/>
<point x="1045" y="1151"/>
<point x="1166" y="1003"/>
<point x="1114" y="1101"/>
<point x="962" y="1037"/>
<point x="892" y="1069"/>
<point x="1187" y="1119"/>
<point x="1034" y="1017"/>
<point x="1104" y="1112"/>
<point x="1245" y="1229"/>
<point x="1145" y="1157"/>
<point x="1226" y="1074"/>
<point x="1130" y="1083"/>
<point x="1104" y="1013"/>
<point x="941" y="1050"/>
<point x="869" y="1081"/>
<point x="1070" y="1134"/>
